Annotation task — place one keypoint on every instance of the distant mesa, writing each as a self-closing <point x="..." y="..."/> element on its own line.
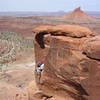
<point x="79" y="15"/>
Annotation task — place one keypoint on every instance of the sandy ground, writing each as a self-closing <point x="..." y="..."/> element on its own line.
<point x="15" y="78"/>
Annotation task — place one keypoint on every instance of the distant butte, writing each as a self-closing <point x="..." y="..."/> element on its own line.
<point x="79" y="15"/>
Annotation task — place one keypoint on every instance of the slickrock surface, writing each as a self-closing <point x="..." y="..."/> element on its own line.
<point x="72" y="65"/>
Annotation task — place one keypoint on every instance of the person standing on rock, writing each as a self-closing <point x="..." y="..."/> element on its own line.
<point x="40" y="68"/>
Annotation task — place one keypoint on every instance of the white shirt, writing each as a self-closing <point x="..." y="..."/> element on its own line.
<point x="40" y="68"/>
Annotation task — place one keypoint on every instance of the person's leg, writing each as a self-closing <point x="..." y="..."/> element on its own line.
<point x="39" y="77"/>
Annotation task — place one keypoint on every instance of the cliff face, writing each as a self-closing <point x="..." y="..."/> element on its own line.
<point x="72" y="63"/>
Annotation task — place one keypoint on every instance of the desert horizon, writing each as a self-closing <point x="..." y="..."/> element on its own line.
<point x="42" y="13"/>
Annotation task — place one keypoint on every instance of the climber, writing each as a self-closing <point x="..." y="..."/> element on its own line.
<point x="40" y="68"/>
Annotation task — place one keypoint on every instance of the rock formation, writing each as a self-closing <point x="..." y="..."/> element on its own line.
<point x="92" y="52"/>
<point x="72" y="63"/>
<point x="79" y="15"/>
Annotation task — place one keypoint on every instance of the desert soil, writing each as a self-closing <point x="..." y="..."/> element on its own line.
<point x="15" y="77"/>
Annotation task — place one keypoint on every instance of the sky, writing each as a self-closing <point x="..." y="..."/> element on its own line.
<point x="48" y="5"/>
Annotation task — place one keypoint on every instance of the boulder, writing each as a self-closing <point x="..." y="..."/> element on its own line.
<point x="92" y="48"/>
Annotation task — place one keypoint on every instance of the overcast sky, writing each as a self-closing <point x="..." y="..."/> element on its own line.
<point x="48" y="5"/>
